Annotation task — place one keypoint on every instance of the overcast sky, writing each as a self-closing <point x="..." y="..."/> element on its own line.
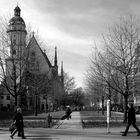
<point x="71" y="25"/>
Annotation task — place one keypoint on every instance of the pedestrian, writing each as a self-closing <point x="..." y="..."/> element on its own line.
<point x="68" y="112"/>
<point x="49" y="120"/>
<point x="18" y="119"/>
<point x="131" y="120"/>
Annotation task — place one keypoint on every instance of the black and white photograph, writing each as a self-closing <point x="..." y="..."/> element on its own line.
<point x="70" y="69"/>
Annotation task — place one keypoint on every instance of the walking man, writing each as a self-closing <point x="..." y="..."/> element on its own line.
<point x="131" y="120"/>
<point x="18" y="119"/>
<point x="68" y="113"/>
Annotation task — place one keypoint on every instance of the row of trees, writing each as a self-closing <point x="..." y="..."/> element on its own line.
<point x="112" y="68"/>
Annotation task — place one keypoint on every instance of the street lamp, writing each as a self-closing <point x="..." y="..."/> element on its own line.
<point x="36" y="103"/>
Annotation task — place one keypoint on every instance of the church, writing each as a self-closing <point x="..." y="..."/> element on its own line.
<point x="37" y="83"/>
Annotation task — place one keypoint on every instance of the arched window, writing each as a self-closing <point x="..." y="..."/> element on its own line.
<point x="33" y="54"/>
<point x="32" y="60"/>
<point x="32" y="57"/>
<point x="14" y="41"/>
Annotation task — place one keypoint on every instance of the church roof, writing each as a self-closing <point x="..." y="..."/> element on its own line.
<point x="46" y="58"/>
<point x="44" y="55"/>
<point x="16" y="19"/>
<point x="17" y="9"/>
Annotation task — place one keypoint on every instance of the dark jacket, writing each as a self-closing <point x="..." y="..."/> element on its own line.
<point x="131" y="115"/>
<point x="18" y="119"/>
<point x="68" y="111"/>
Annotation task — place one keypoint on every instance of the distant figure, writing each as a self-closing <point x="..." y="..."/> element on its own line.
<point x="49" y="119"/>
<point x="131" y="120"/>
<point x="68" y="113"/>
<point x="18" y="119"/>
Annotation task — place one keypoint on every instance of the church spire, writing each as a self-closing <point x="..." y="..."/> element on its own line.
<point x="55" y="58"/>
<point x="62" y="72"/>
<point x="17" y="11"/>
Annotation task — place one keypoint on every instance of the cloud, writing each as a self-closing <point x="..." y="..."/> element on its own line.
<point x="82" y="18"/>
<point x="72" y="25"/>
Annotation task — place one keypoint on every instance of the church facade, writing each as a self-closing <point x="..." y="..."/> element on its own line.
<point x="32" y="70"/>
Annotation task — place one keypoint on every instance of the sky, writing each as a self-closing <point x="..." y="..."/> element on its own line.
<point x="74" y="26"/>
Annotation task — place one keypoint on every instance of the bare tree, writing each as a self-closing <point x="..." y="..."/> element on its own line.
<point x="39" y="85"/>
<point x="115" y="64"/>
<point x="12" y="68"/>
<point x="96" y="88"/>
<point x="69" y="83"/>
<point x="78" y="97"/>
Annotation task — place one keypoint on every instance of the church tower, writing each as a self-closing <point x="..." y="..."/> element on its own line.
<point x="17" y="35"/>
<point x="15" y="63"/>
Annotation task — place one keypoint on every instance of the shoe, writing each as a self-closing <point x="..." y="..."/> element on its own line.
<point x="138" y="134"/>
<point x="11" y="137"/>
<point x="123" y="134"/>
<point x="23" y="137"/>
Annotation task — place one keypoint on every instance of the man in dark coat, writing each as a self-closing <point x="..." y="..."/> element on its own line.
<point x="68" y="112"/>
<point x="131" y="120"/>
<point x="49" y="118"/>
<point x="18" y="119"/>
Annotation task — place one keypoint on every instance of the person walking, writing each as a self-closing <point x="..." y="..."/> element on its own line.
<point x="18" y="119"/>
<point x="131" y="120"/>
<point x="49" y="119"/>
<point x="68" y="113"/>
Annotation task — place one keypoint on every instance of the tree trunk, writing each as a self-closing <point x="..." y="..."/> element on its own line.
<point x="15" y="100"/>
<point x="125" y="108"/>
<point x="102" y="105"/>
<point x="36" y="113"/>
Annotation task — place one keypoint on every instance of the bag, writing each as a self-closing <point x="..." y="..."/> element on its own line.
<point x="12" y="127"/>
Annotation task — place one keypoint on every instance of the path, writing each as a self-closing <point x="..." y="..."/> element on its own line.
<point x="74" y="122"/>
<point x="71" y="130"/>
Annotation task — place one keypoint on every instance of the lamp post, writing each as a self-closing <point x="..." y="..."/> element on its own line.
<point x="36" y="103"/>
<point x="108" y="116"/>
<point x="28" y="97"/>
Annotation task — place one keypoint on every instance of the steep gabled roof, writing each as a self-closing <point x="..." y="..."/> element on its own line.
<point x="33" y="39"/>
<point x="46" y="58"/>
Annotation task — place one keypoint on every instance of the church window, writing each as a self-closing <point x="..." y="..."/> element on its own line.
<point x="33" y="54"/>
<point x="37" y="66"/>
<point x="14" y="41"/>
<point x="32" y="60"/>
<point x="8" y="97"/>
<point x="2" y="97"/>
<point x="33" y="57"/>
<point x="14" y="52"/>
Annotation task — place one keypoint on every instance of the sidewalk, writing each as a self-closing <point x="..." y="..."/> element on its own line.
<point x="72" y="130"/>
<point x="71" y="134"/>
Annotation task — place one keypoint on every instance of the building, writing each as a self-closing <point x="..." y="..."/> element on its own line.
<point x="42" y="85"/>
